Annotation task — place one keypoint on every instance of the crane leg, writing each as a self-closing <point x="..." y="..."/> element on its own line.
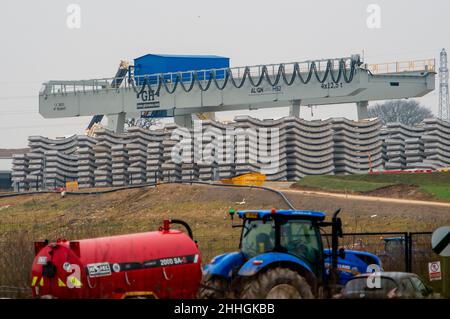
<point x="116" y="122"/>
<point x="294" y="109"/>
<point x="361" y="109"/>
<point x="183" y="120"/>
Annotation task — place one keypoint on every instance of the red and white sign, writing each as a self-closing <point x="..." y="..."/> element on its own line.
<point x="434" y="270"/>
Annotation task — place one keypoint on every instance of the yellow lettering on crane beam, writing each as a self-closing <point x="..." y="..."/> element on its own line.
<point x="33" y="282"/>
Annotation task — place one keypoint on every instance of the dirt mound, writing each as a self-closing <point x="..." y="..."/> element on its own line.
<point x="403" y="191"/>
<point x="400" y="191"/>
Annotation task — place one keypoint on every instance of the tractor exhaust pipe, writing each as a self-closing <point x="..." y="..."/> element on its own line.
<point x="336" y="232"/>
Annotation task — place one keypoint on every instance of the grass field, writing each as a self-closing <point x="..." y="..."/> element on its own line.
<point x="431" y="185"/>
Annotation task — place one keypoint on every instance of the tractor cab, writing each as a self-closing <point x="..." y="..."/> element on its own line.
<point x="281" y="255"/>
<point x="293" y="232"/>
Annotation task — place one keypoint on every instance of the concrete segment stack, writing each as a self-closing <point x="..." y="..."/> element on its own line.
<point x="20" y="172"/>
<point x="309" y="148"/>
<point x="86" y="161"/>
<point x="436" y="140"/>
<point x="171" y="167"/>
<point x="396" y="143"/>
<point x="357" y="146"/>
<point x="285" y="149"/>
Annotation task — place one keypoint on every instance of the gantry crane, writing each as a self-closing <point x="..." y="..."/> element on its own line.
<point x="182" y="94"/>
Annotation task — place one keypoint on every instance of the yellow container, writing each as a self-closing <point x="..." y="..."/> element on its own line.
<point x="250" y="179"/>
<point x="72" y="186"/>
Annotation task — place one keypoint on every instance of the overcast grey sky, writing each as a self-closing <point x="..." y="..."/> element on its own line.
<point x="37" y="45"/>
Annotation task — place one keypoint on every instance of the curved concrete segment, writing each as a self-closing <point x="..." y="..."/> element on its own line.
<point x="284" y="149"/>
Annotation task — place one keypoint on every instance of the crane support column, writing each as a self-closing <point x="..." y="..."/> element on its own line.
<point x="116" y="122"/>
<point x="294" y="109"/>
<point x="361" y="109"/>
<point x="183" y="120"/>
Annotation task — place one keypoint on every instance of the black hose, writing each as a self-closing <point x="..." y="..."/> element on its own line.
<point x="288" y="203"/>
<point x="284" y="198"/>
<point x="112" y="190"/>
<point x="281" y="74"/>
<point x="26" y="193"/>
<point x="186" y="225"/>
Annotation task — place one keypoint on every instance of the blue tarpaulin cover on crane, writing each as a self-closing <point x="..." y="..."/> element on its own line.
<point x="166" y="63"/>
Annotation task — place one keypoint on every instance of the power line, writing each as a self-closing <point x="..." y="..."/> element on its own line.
<point x="28" y="127"/>
<point x="39" y="126"/>
<point x="18" y="97"/>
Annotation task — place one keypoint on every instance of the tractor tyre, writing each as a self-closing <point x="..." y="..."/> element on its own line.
<point x="213" y="287"/>
<point x="277" y="283"/>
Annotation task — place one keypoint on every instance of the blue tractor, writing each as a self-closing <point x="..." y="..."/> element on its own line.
<point x="282" y="256"/>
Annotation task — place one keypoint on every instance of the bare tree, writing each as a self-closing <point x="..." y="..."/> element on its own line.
<point x="407" y="112"/>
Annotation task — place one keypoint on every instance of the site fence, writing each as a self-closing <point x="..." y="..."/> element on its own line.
<point x="398" y="251"/>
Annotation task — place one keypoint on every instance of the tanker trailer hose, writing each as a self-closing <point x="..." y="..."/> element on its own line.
<point x="186" y="225"/>
<point x="89" y="283"/>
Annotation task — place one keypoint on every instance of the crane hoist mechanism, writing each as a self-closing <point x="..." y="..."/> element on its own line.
<point x="116" y="82"/>
<point x="186" y="86"/>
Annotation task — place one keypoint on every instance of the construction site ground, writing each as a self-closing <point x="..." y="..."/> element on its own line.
<point x="28" y="218"/>
<point x="204" y="207"/>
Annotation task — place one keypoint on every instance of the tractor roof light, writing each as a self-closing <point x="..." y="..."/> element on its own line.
<point x="257" y="262"/>
<point x="273" y="211"/>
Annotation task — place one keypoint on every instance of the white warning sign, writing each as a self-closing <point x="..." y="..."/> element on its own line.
<point x="434" y="270"/>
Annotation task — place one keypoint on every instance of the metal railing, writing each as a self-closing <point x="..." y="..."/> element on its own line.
<point x="427" y="65"/>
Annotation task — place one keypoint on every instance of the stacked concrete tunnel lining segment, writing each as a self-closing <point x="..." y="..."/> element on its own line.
<point x="86" y="161"/>
<point x="334" y="146"/>
<point x="357" y="146"/>
<point x="436" y="143"/>
<point x="404" y="146"/>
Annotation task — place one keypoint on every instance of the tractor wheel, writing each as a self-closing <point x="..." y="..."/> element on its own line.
<point x="213" y="287"/>
<point x="277" y="283"/>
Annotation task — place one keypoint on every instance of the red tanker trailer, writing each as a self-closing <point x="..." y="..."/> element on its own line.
<point x="159" y="264"/>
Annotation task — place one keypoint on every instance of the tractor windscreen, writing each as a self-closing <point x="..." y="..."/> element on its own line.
<point x="301" y="238"/>
<point x="257" y="238"/>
